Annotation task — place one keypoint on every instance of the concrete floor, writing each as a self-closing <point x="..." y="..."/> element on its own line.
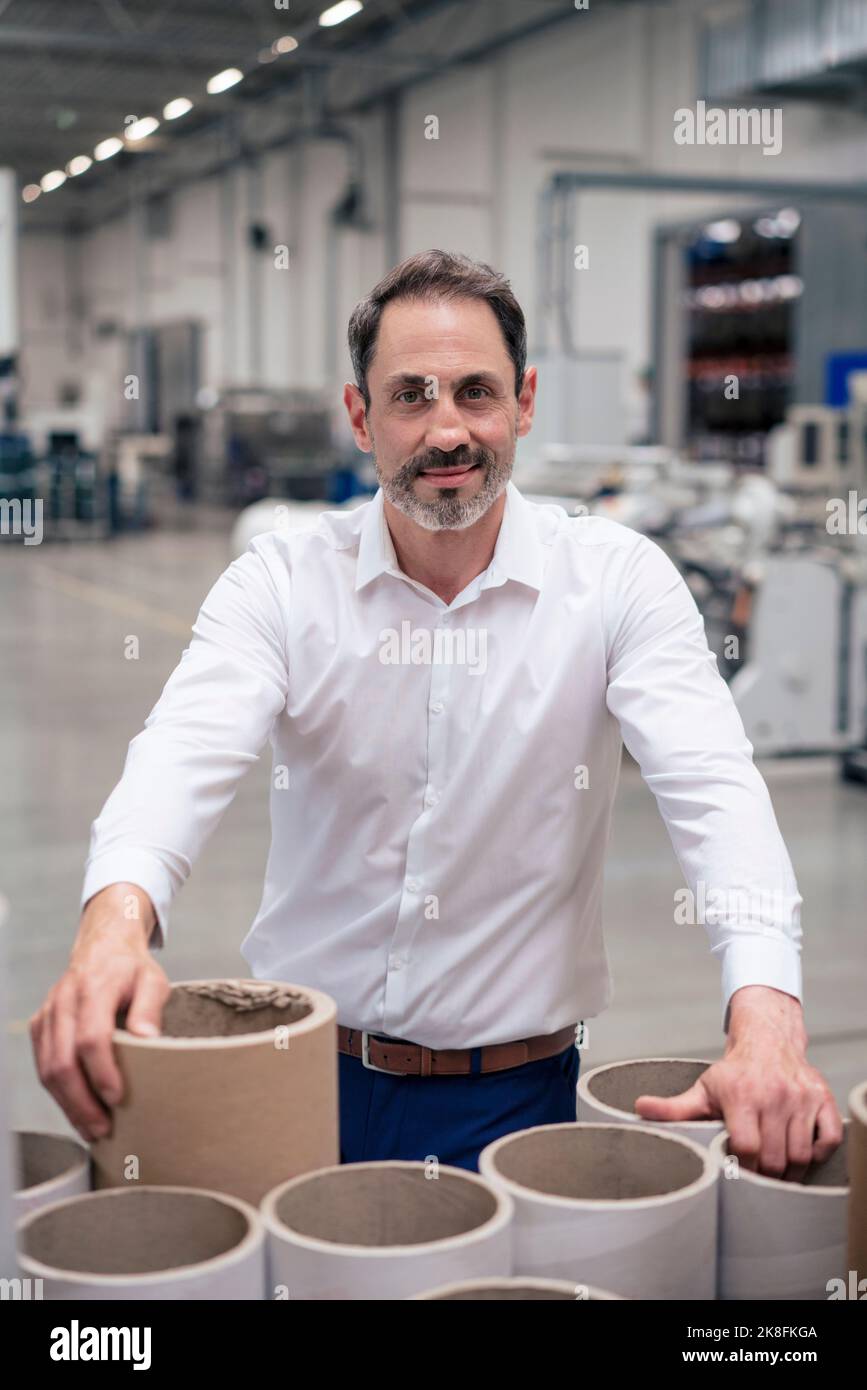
<point x="70" y="702"/>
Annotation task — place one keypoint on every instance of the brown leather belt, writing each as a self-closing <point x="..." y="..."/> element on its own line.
<point x="379" y="1052"/>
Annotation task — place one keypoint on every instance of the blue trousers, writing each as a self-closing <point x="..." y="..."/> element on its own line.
<point x="451" y="1118"/>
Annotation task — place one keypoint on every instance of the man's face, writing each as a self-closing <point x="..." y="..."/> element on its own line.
<point x="443" y="420"/>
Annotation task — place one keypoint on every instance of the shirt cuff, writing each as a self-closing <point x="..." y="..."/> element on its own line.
<point x="138" y="867"/>
<point x="766" y="959"/>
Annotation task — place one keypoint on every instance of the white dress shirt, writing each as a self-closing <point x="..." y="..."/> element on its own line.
<point x="444" y="774"/>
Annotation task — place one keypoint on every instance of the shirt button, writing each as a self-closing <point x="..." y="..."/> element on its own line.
<point x="437" y="707"/>
<point x="394" y="962"/>
<point x="412" y="885"/>
<point x="430" y="798"/>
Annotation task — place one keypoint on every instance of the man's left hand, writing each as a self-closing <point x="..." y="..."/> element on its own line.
<point x="777" y="1108"/>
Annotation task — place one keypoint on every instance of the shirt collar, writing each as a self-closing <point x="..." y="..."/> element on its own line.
<point x="517" y="553"/>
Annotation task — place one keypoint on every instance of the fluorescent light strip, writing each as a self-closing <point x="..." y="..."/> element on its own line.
<point x="179" y="107"/>
<point x="106" y="148"/>
<point x="344" y="9"/>
<point x="140" y="130"/>
<point x="222" y="81"/>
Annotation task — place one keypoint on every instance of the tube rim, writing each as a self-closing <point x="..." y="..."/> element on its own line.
<point x="253" y="1238"/>
<point x="324" y="1011"/>
<point x="586" y="1096"/>
<point x="75" y="1170"/>
<point x="708" y="1177"/>
<point x="500" y="1219"/>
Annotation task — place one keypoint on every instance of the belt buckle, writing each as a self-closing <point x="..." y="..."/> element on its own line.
<point x="365" y="1052"/>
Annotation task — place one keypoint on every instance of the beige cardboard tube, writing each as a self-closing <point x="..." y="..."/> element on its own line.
<point x="145" y="1243"/>
<point x="384" y="1231"/>
<point x="857" y="1233"/>
<point x="238" y="1094"/>
<point x="518" y="1289"/>
<point x="628" y="1208"/>
<point x="49" y="1167"/>
<point x="607" y="1094"/>
<point x="781" y="1239"/>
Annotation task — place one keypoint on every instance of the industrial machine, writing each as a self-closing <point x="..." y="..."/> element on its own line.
<point x="260" y="443"/>
<point x="777" y="563"/>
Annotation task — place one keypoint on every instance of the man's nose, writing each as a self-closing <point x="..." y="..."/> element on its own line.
<point x="446" y="429"/>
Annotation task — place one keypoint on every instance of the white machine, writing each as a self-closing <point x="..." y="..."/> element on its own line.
<point x="763" y="560"/>
<point x="804" y="685"/>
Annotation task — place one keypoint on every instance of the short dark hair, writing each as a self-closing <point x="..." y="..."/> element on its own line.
<point x="437" y="275"/>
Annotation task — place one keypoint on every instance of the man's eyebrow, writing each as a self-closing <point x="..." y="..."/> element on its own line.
<point x="487" y="378"/>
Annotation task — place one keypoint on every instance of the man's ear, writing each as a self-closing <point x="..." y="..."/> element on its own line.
<point x="357" y="412"/>
<point x="527" y="402"/>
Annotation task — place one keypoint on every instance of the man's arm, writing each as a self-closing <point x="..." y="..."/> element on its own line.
<point x="207" y="728"/>
<point x="181" y="772"/>
<point x="679" y="721"/>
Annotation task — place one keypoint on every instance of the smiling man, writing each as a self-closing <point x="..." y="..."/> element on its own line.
<point x="437" y="855"/>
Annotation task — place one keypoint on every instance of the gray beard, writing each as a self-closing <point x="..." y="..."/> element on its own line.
<point x="449" y="512"/>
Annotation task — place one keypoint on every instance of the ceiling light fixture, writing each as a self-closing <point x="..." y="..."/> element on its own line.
<point x="336" y="14"/>
<point x="222" y="81"/>
<point x="179" y="107"/>
<point x="140" y="130"/>
<point x="106" y="148"/>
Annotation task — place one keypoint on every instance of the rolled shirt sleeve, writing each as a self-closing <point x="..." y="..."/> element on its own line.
<point x="679" y="721"/>
<point x="214" y="715"/>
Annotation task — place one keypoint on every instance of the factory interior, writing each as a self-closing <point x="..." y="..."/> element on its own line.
<point x="194" y="196"/>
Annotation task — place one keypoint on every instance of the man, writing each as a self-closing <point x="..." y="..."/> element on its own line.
<point x="445" y="676"/>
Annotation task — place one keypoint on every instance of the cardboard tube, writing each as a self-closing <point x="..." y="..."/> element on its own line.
<point x="516" y="1290"/>
<point x="608" y="1094"/>
<point x="145" y="1243"/>
<point x="857" y="1248"/>
<point x="383" y="1231"/>
<point x="49" y="1167"/>
<point x="238" y="1094"/>
<point x="628" y="1208"/>
<point x="781" y="1239"/>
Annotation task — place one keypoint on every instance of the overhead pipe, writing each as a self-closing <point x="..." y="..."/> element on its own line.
<point x="384" y="1230"/>
<point x="621" y="1207"/>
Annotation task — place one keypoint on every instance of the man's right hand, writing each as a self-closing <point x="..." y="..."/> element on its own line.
<point x="110" y="969"/>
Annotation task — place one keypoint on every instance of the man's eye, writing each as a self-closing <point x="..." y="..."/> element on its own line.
<point x="410" y="392"/>
<point x="482" y="390"/>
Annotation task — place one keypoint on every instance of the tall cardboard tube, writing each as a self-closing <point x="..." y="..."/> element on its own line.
<point x="49" y="1167"/>
<point x="384" y="1230"/>
<point x="623" y="1207"/>
<point x="857" y="1243"/>
<point x="781" y="1239"/>
<point x="518" y="1289"/>
<point x="607" y="1094"/>
<point x="145" y="1243"/>
<point x="237" y="1094"/>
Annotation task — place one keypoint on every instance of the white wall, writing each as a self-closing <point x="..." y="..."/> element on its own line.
<point x="580" y="96"/>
